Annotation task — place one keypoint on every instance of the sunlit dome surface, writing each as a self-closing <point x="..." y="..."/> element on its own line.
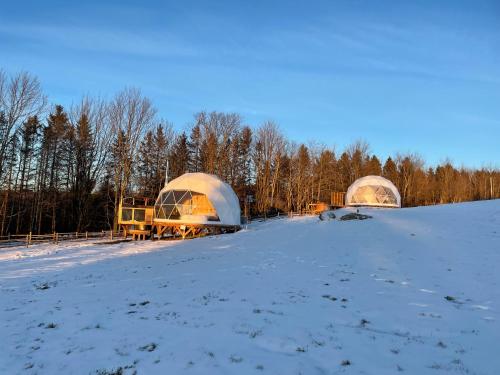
<point x="198" y="198"/>
<point x="373" y="191"/>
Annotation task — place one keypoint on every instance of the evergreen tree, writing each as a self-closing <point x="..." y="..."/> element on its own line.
<point x="372" y="166"/>
<point x="195" y="145"/>
<point x="390" y="171"/>
<point x="28" y="134"/>
<point x="180" y="156"/>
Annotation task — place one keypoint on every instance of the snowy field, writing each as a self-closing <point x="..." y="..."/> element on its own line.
<point x="413" y="291"/>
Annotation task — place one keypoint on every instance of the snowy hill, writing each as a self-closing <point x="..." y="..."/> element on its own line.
<point x="411" y="291"/>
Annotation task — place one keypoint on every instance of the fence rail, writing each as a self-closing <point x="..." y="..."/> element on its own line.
<point x="56" y="237"/>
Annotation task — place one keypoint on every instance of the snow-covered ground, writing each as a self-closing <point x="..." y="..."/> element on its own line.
<point x="412" y="290"/>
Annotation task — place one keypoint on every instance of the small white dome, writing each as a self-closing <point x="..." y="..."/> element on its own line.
<point x="373" y="191"/>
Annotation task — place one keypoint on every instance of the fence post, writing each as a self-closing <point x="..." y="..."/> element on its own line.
<point x="54" y="237"/>
<point x="76" y="235"/>
<point x="57" y="237"/>
<point x="111" y="234"/>
<point x="86" y="235"/>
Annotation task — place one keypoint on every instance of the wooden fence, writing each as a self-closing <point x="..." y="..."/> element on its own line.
<point x="31" y="239"/>
<point x="337" y="199"/>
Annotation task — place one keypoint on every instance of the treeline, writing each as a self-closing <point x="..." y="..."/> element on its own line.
<point x="66" y="169"/>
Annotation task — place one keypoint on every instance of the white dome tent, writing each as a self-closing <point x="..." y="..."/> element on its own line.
<point x="196" y="200"/>
<point x="373" y="191"/>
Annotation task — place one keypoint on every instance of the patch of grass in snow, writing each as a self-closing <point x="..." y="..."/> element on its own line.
<point x="148" y="348"/>
<point x="51" y="325"/>
<point x="235" y="359"/>
<point x="441" y="344"/>
<point x="117" y="371"/>
<point x="254" y="334"/>
<point x="318" y="343"/>
<point x="452" y="299"/>
<point x="355" y="216"/>
<point x="331" y="298"/>
<point x="44" y="285"/>
<point x="363" y="322"/>
<point x="345" y="362"/>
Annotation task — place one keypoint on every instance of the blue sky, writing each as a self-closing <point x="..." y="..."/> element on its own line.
<point x="420" y="76"/>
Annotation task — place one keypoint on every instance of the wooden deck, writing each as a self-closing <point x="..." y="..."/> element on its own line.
<point x="192" y="230"/>
<point x="138" y="221"/>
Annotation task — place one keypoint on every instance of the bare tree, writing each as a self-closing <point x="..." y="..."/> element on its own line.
<point x="91" y="136"/>
<point x="21" y="97"/>
<point x="131" y="115"/>
<point x="408" y="166"/>
<point x="270" y="147"/>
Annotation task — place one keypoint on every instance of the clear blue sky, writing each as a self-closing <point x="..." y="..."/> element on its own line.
<point x="423" y="76"/>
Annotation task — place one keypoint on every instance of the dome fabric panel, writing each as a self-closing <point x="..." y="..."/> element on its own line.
<point x="373" y="191"/>
<point x="219" y="193"/>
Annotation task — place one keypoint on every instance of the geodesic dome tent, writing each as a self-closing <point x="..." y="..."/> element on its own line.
<point x="373" y="191"/>
<point x="198" y="198"/>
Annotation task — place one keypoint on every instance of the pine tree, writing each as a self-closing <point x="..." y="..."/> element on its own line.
<point x="180" y="156"/>
<point x="28" y="134"/>
<point x="345" y="171"/>
<point x="53" y="147"/>
<point x="194" y="145"/>
<point x="84" y="180"/>
<point x="145" y="170"/>
<point x="164" y="136"/>
<point x="372" y="166"/>
<point x="390" y="171"/>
